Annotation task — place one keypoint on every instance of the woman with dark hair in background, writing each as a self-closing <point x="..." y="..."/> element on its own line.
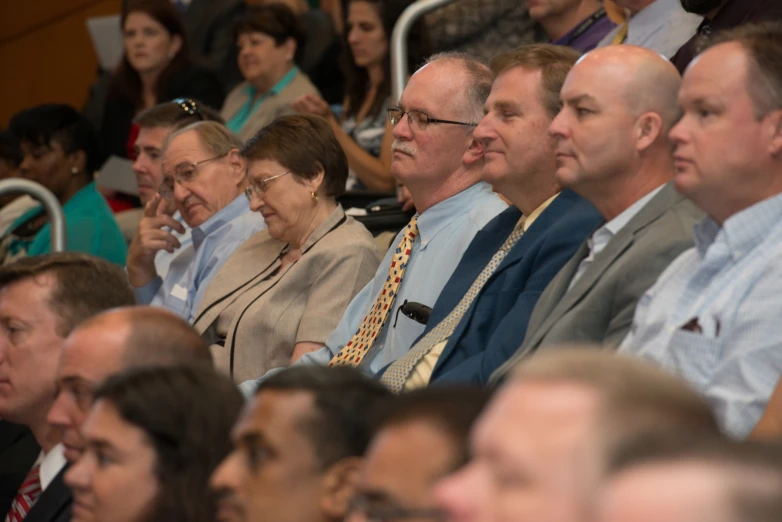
<point x="61" y="151"/>
<point x="363" y="130"/>
<point x="155" y="68"/>
<point x="154" y="436"/>
<point x="269" y="39"/>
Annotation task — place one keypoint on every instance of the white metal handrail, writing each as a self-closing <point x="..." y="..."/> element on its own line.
<point x="399" y="71"/>
<point x="49" y="202"/>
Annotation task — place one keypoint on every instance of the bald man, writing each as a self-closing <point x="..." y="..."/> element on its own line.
<point x="613" y="150"/>
<point x="107" y="344"/>
<point x="713" y="316"/>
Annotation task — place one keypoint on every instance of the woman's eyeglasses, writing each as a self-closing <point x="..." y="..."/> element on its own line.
<point x="260" y="186"/>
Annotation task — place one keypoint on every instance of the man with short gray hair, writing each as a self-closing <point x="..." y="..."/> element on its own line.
<point x="204" y="179"/>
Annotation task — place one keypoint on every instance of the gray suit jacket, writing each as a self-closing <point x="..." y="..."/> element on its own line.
<point x="274" y="106"/>
<point x="254" y="312"/>
<point x="599" y="309"/>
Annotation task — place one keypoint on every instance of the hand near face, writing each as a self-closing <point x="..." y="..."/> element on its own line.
<point x="311" y="104"/>
<point x="150" y="238"/>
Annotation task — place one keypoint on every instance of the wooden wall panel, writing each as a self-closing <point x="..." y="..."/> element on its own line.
<point x="45" y="52"/>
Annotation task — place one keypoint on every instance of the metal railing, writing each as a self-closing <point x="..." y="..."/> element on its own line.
<point x="49" y="202"/>
<point x="399" y="71"/>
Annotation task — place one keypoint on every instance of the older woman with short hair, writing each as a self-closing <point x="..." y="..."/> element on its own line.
<point x="269" y="39"/>
<point x="282" y="293"/>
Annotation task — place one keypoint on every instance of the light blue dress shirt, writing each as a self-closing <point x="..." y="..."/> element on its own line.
<point x="191" y="271"/>
<point x="713" y="316"/>
<point x="663" y="26"/>
<point x="444" y="233"/>
<point x="163" y="259"/>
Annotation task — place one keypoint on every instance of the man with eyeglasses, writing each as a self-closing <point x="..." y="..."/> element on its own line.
<point x="437" y="158"/>
<point x="419" y="438"/>
<point x="481" y="315"/>
<point x="204" y="178"/>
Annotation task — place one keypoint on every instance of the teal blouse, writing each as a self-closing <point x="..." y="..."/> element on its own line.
<point x="241" y="117"/>
<point x="90" y="228"/>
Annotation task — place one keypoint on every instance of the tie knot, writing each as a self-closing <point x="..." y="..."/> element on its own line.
<point x="411" y="230"/>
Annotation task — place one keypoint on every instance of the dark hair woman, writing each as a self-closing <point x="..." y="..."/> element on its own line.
<point x="362" y="130"/>
<point x="155" y="68"/>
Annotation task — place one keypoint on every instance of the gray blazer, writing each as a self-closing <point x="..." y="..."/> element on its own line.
<point x="600" y="307"/>
<point x="254" y="312"/>
<point x="274" y="106"/>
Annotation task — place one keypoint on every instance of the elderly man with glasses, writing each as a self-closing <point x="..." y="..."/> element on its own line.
<point x="204" y="179"/>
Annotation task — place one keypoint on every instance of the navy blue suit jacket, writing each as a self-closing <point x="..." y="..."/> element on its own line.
<point x="494" y="326"/>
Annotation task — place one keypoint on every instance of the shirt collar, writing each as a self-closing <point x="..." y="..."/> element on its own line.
<point x="279" y="86"/>
<point x="653" y="13"/>
<point x="535" y="214"/>
<point x="51" y="464"/>
<point x="742" y="231"/>
<point x="233" y="210"/>
<point x="436" y="218"/>
<point x="619" y="222"/>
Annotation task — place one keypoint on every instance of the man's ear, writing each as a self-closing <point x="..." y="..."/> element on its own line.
<point x="238" y="166"/>
<point x="775" y="132"/>
<point x="474" y="152"/>
<point x="648" y="127"/>
<point x="338" y="487"/>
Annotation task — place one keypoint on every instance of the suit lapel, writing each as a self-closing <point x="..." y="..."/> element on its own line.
<point x="54" y="504"/>
<point x="561" y="300"/>
<point x="249" y="261"/>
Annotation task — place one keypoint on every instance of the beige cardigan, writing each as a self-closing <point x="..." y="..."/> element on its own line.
<point x="274" y="106"/>
<point x="253" y="317"/>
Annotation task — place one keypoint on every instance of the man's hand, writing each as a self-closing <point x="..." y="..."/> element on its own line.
<point x="151" y="238"/>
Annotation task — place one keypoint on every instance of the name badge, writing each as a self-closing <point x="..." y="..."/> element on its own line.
<point x="179" y="292"/>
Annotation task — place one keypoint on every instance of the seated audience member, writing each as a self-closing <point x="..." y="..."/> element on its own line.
<point x="418" y="439"/>
<point x="154" y="436"/>
<point x="579" y="24"/>
<point x="439" y="160"/>
<point x="481" y="28"/>
<point x="613" y="149"/>
<point x="290" y="283"/>
<point x="41" y="300"/>
<point x="11" y="205"/>
<point x="109" y="343"/>
<point x="298" y="447"/>
<point x="541" y="447"/>
<point x="60" y="150"/>
<point x="155" y="67"/>
<point x="683" y="479"/>
<point x="713" y="315"/>
<point x="660" y="25"/>
<point x="720" y="15"/>
<point x="479" y="319"/>
<point x="320" y="53"/>
<point x="205" y="179"/>
<point x="362" y="129"/>
<point x="207" y="24"/>
<point x="154" y="126"/>
<point x="269" y="38"/>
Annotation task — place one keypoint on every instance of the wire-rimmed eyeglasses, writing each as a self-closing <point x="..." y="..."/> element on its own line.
<point x="420" y="118"/>
<point x="260" y="186"/>
<point x="183" y="173"/>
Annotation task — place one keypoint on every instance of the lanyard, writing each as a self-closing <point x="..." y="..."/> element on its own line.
<point x="585" y="26"/>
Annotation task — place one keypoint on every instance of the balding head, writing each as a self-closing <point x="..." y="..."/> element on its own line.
<point x="111" y="342"/>
<point x="619" y="104"/>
